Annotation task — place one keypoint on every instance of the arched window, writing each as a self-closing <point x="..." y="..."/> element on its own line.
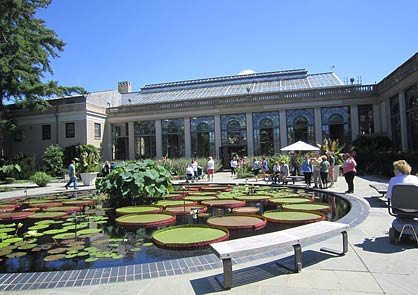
<point x="266" y="133"/>
<point x="336" y="124"/>
<point x="203" y="136"/>
<point x="300" y="126"/>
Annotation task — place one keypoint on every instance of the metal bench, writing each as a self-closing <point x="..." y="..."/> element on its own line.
<point x="381" y="188"/>
<point x="253" y="245"/>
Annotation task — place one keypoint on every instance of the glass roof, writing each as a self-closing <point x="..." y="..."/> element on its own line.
<point x="231" y="86"/>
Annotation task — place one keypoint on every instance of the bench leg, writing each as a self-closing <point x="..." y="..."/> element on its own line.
<point x="227" y="264"/>
<point x="298" y="257"/>
<point x="345" y="246"/>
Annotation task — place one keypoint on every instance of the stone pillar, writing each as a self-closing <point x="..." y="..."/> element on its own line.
<point x="187" y="138"/>
<point x="377" y="109"/>
<point x="318" y="125"/>
<point x="283" y="128"/>
<point x="250" y="134"/>
<point x="107" y="151"/>
<point x="158" y="139"/>
<point x="355" y="129"/>
<point x="218" y="138"/>
<point x="402" y="111"/>
<point x="131" y="141"/>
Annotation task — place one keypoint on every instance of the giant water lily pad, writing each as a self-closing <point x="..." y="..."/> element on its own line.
<point x="253" y="198"/>
<point x="179" y="210"/>
<point x="189" y="236"/>
<point x="224" y="203"/>
<point x="48" y="215"/>
<point x="323" y="207"/>
<point x="138" y="210"/>
<point x="279" y="201"/>
<point x="146" y="220"/>
<point x="15" y="215"/>
<point x="197" y="198"/>
<point x="165" y="203"/>
<point x="238" y="221"/>
<point x="292" y="216"/>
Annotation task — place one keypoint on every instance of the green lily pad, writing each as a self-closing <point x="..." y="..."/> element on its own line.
<point x="27" y="246"/>
<point x="5" y="251"/>
<point x="16" y="254"/>
<point x="135" y="249"/>
<point x="55" y="231"/>
<point x="39" y="226"/>
<point x="89" y="231"/>
<point x="54" y="257"/>
<point x="91" y="259"/>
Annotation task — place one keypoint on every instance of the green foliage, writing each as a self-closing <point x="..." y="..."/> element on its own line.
<point x="9" y="180"/>
<point x="24" y="166"/>
<point x="374" y="154"/>
<point x="178" y="166"/>
<point x="27" y="46"/>
<point x="40" y="178"/>
<point x="53" y="160"/>
<point x="333" y="146"/>
<point x="141" y="182"/>
<point x="87" y="157"/>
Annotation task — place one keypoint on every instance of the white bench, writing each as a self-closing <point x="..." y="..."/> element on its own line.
<point x="290" y="237"/>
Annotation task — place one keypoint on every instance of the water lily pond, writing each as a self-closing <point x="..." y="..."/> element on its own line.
<point x="78" y="231"/>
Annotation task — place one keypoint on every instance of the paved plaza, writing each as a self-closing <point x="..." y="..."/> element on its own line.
<point x="371" y="266"/>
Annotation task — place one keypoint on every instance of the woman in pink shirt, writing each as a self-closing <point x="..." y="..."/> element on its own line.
<point x="349" y="171"/>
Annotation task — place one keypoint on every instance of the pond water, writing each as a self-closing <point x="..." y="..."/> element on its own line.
<point x="90" y="238"/>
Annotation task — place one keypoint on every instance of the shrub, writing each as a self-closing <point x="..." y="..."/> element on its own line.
<point x="9" y="180"/>
<point x="27" y="163"/>
<point x="53" y="160"/>
<point x="40" y="178"/>
<point x="87" y="157"/>
<point x="135" y="183"/>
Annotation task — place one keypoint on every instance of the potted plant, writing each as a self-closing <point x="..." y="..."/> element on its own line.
<point x="88" y="161"/>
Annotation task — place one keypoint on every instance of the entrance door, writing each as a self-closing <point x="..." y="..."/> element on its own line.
<point x="226" y="153"/>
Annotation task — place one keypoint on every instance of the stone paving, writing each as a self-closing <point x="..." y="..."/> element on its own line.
<point x="371" y="266"/>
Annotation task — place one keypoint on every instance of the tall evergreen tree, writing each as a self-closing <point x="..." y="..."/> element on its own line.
<point x="26" y="47"/>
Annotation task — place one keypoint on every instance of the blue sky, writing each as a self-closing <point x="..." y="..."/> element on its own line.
<point x="158" y="41"/>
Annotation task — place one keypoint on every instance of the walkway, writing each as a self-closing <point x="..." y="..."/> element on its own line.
<point x="371" y="266"/>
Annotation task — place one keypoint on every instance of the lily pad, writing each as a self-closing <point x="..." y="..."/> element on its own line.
<point x="16" y="254"/>
<point x="91" y="259"/>
<point x="54" y="257"/>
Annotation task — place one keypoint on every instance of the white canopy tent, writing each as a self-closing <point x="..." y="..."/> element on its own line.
<point x="299" y="146"/>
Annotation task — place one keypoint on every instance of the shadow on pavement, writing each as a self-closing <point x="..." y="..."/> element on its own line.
<point x="246" y="276"/>
<point x="382" y="245"/>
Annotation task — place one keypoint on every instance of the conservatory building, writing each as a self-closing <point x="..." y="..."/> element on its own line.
<point x="252" y="114"/>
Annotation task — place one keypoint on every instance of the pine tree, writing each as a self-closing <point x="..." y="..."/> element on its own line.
<point x="26" y="47"/>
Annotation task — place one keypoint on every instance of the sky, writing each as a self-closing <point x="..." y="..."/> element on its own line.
<point x="156" y="41"/>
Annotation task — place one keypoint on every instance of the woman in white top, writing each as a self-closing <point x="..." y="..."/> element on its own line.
<point x="233" y="164"/>
<point x="402" y="171"/>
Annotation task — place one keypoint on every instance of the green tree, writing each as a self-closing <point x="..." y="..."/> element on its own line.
<point x="26" y="47"/>
<point x="53" y="160"/>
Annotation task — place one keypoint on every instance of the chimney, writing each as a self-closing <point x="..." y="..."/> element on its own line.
<point x="124" y="87"/>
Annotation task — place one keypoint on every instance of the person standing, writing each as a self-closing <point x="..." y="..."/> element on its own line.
<point x="210" y="167"/>
<point x="331" y="160"/>
<point x="264" y="167"/>
<point x="307" y="170"/>
<point x="233" y="164"/>
<point x="316" y="162"/>
<point x="349" y="171"/>
<point x="106" y="168"/>
<point x="194" y="165"/>
<point x="323" y="170"/>
<point x="71" y="174"/>
<point x="256" y="168"/>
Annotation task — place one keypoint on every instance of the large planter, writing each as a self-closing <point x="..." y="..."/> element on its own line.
<point x="336" y="172"/>
<point x="88" y="178"/>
